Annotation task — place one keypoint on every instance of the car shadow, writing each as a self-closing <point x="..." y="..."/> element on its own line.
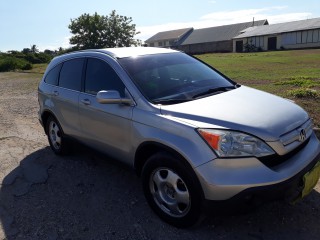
<point x="86" y="196"/>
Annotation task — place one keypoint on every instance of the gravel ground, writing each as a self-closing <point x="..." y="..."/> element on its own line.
<point x="85" y="196"/>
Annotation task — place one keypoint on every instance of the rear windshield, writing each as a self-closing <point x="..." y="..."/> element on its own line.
<point x="172" y="76"/>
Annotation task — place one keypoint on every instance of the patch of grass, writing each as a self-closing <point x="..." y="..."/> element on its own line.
<point x="267" y="66"/>
<point x="38" y="68"/>
<point x="305" y="82"/>
<point x="27" y="80"/>
<point x="303" y="93"/>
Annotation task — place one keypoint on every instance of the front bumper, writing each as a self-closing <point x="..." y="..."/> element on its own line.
<point x="289" y="190"/>
<point x="248" y="178"/>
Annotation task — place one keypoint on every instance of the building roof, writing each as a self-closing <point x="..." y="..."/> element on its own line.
<point x="221" y="33"/>
<point x="281" y="27"/>
<point x="167" y="35"/>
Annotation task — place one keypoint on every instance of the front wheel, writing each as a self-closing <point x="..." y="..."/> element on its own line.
<point x="172" y="190"/>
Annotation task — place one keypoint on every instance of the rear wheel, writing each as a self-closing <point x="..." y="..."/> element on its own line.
<point x="172" y="190"/>
<point x="56" y="136"/>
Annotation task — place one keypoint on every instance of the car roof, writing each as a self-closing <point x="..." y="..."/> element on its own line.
<point x="122" y="52"/>
<point x="134" y="51"/>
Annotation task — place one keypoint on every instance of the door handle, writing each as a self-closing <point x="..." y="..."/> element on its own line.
<point x="55" y="93"/>
<point x="86" y="101"/>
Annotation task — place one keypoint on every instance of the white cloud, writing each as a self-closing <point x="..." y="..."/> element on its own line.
<point x="272" y="14"/>
<point x="64" y="43"/>
<point x="288" y="17"/>
<point x="228" y="15"/>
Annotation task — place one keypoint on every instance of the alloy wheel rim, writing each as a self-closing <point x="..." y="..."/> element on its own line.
<point x="55" y="135"/>
<point x="170" y="192"/>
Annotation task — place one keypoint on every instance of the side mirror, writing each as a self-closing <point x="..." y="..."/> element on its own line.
<point x="112" y="97"/>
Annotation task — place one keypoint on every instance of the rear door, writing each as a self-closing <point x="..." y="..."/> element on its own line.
<point x="65" y="96"/>
<point x="106" y="127"/>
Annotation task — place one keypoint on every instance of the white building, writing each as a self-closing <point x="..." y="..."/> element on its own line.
<point x="289" y="35"/>
<point x="169" y="39"/>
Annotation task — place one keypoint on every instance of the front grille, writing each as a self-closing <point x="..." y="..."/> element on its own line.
<point x="275" y="160"/>
<point x="293" y="136"/>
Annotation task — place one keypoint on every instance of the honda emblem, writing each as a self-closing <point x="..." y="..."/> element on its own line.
<point x="302" y="135"/>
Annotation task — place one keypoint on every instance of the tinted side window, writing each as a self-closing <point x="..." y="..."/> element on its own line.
<point x="70" y="75"/>
<point x="100" y="76"/>
<point x="53" y="75"/>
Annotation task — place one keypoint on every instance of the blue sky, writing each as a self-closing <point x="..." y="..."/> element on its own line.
<point x="45" y="23"/>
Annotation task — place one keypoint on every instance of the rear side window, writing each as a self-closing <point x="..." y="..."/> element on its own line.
<point x="53" y="75"/>
<point x="101" y="76"/>
<point x="70" y="75"/>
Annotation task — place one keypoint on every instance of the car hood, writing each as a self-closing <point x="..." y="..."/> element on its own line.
<point x="243" y="109"/>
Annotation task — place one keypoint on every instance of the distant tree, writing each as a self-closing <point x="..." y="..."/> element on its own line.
<point x="95" y="31"/>
<point x="61" y="50"/>
<point x="26" y="50"/>
<point x="34" y="48"/>
<point x="13" y="52"/>
<point x="49" y="52"/>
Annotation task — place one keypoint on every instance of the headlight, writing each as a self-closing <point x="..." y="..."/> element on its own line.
<point x="235" y="144"/>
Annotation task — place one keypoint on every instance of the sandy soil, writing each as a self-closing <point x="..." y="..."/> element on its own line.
<point x="85" y="196"/>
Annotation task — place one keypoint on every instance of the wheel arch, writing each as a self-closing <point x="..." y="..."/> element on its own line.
<point x="149" y="148"/>
<point x="44" y="118"/>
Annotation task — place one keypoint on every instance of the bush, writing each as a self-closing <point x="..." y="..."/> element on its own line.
<point x="27" y="66"/>
<point x="13" y="60"/>
<point x="304" y="82"/>
<point x="250" y="48"/>
<point x="8" y="63"/>
<point x="36" y="58"/>
<point x="33" y="58"/>
<point x="303" y="93"/>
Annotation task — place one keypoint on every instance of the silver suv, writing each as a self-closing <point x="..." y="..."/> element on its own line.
<point x="196" y="138"/>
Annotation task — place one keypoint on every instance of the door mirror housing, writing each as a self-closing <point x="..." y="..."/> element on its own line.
<point x="112" y="97"/>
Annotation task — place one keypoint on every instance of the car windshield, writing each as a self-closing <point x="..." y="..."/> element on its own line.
<point x="172" y="78"/>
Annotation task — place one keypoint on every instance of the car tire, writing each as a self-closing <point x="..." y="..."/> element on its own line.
<point x="56" y="137"/>
<point x="172" y="190"/>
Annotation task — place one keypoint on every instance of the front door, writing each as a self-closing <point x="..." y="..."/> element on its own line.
<point x="272" y="43"/>
<point x="106" y="127"/>
<point x="239" y="46"/>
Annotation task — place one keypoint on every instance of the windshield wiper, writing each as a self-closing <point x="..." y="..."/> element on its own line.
<point x="217" y="90"/>
<point x="169" y="101"/>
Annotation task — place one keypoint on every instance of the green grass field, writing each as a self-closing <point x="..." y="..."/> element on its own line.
<point x="291" y="74"/>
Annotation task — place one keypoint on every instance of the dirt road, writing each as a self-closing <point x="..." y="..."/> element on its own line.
<point x="84" y="196"/>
